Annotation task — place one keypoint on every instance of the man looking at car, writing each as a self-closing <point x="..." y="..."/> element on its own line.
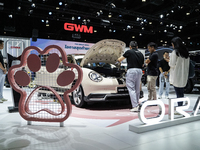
<point x="2" y="73"/>
<point x="152" y="72"/>
<point x="135" y="62"/>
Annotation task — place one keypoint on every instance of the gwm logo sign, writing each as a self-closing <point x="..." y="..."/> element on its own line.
<point x="78" y="28"/>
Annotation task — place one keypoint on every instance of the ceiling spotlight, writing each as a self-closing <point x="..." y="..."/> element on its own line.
<point x="10" y="16"/>
<point x="142" y="28"/>
<point x="95" y="31"/>
<point x="120" y="16"/>
<point x="188" y="38"/>
<point x="110" y="30"/>
<point x="167" y="14"/>
<point x="50" y="13"/>
<point x="112" y="5"/>
<point x="79" y="17"/>
<point x="172" y="11"/>
<point x="42" y="20"/>
<point x="73" y="18"/>
<point x="47" y="25"/>
<point x="140" y="34"/>
<point x="179" y="30"/>
<point x="161" y="40"/>
<point x="19" y="7"/>
<point x="98" y="13"/>
<point x="57" y="7"/>
<point x="60" y="3"/>
<point x="171" y="25"/>
<point x="145" y="20"/>
<point x="128" y="26"/>
<point x="165" y="30"/>
<point x="133" y="37"/>
<point x="143" y="0"/>
<point x="181" y="27"/>
<point x="88" y="20"/>
<point x="110" y="15"/>
<point x="114" y="30"/>
<point x="166" y="42"/>
<point x="137" y="19"/>
<point x="187" y="13"/>
<point x="161" y="23"/>
<point x="101" y="12"/>
<point x="196" y="22"/>
<point x="167" y="25"/>
<point x="33" y="5"/>
<point x="47" y="21"/>
<point x="161" y="16"/>
<point x="31" y="11"/>
<point x="150" y="22"/>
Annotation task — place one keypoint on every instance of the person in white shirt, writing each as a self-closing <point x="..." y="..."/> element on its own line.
<point x="179" y="67"/>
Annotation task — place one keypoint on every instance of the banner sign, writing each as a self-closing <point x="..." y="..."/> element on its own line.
<point x="68" y="46"/>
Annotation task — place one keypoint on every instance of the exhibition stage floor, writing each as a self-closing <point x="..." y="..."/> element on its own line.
<point x="101" y="126"/>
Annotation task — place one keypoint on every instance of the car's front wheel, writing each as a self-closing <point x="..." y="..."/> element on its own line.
<point x="78" y="97"/>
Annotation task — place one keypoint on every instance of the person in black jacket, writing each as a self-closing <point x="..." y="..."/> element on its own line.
<point x="135" y="62"/>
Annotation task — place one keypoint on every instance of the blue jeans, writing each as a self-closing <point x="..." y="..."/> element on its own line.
<point x="2" y="81"/>
<point x="162" y="81"/>
<point x="133" y="79"/>
<point x="179" y="93"/>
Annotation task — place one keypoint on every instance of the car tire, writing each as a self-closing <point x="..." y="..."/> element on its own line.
<point x="189" y="87"/>
<point x="78" y="97"/>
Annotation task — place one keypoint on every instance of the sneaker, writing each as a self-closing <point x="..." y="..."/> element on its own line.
<point x="160" y="97"/>
<point x="141" y="94"/>
<point x="3" y="99"/>
<point x="135" y="109"/>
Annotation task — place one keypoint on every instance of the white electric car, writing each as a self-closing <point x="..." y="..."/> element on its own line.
<point x="103" y="77"/>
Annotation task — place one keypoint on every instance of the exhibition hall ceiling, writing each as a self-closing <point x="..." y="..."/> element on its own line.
<point x="126" y="20"/>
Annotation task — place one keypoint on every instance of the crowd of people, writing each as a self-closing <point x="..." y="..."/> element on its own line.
<point x="173" y="70"/>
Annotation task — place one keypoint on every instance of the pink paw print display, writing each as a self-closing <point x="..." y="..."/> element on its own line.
<point x="44" y="79"/>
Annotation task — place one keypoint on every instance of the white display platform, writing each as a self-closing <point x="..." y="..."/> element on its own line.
<point x="138" y="127"/>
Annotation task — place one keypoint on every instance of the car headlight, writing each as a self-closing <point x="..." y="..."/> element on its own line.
<point x="95" y="77"/>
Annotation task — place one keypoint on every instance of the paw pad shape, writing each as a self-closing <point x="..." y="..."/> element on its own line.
<point x="18" y="78"/>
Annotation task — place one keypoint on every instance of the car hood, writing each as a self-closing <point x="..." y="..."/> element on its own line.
<point x="108" y="51"/>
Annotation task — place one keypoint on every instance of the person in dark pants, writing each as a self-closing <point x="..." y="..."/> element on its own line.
<point x="164" y="75"/>
<point x="135" y="62"/>
<point x="179" y="67"/>
<point x="152" y="72"/>
<point x="2" y="73"/>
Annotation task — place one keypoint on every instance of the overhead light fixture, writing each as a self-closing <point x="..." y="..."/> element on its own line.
<point x="60" y="3"/>
<point x="112" y="5"/>
<point x="179" y="30"/>
<point x="143" y="0"/>
<point x="128" y="26"/>
<point x="181" y="27"/>
<point x="161" y="23"/>
<point x="110" y="30"/>
<point x="188" y="14"/>
<point x="19" y="8"/>
<point x="137" y="19"/>
<point x="167" y="14"/>
<point x="161" y="16"/>
<point x="133" y="37"/>
<point x="120" y="16"/>
<point x="98" y="13"/>
<point x="10" y="16"/>
<point x="110" y="15"/>
<point x="142" y="28"/>
<point x="42" y="20"/>
<point x="150" y="22"/>
<point x="73" y="18"/>
<point x="95" y="31"/>
<point x="33" y="5"/>
<point x="114" y="30"/>
<point x="101" y="12"/>
<point x="79" y="17"/>
<point x="30" y="11"/>
<point x="161" y="40"/>
<point x="47" y="25"/>
<point x="172" y="11"/>
<point x="140" y="34"/>
<point x="47" y="21"/>
<point x="50" y="13"/>
<point x="57" y="7"/>
<point x="188" y="38"/>
<point x="165" y="30"/>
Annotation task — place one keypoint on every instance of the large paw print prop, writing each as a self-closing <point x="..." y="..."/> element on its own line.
<point x="19" y="78"/>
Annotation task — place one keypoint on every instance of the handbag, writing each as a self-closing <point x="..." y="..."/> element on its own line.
<point x="191" y="69"/>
